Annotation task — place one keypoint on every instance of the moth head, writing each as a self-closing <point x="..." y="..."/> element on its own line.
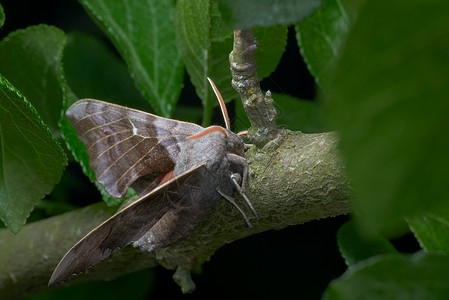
<point x="235" y="144"/>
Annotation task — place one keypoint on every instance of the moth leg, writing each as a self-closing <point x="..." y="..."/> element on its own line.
<point x="239" y="165"/>
<point x="236" y="206"/>
<point x="239" y="190"/>
<point x="244" y="176"/>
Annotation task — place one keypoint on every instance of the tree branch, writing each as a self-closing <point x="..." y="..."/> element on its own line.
<point x="301" y="180"/>
<point x="294" y="178"/>
<point x="259" y="108"/>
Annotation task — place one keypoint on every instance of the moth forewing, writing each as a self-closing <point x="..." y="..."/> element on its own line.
<point x="126" y="145"/>
<point x="184" y="167"/>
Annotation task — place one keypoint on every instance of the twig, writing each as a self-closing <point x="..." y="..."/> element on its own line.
<point x="259" y="108"/>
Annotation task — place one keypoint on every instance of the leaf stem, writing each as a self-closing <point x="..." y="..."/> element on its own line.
<point x="207" y="110"/>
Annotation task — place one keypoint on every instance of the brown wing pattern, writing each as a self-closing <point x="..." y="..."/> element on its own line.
<point x="130" y="224"/>
<point x="126" y="144"/>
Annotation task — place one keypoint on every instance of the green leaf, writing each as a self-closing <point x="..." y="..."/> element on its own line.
<point x="271" y="42"/>
<point x="389" y="101"/>
<point x="92" y="70"/>
<point x="418" y="276"/>
<point x="193" y="32"/>
<point x="298" y="114"/>
<point x="355" y="246"/>
<point x="206" y="44"/>
<point x="241" y="14"/>
<point x="432" y="230"/>
<point x="31" y="160"/>
<point x="2" y="16"/>
<point x="31" y="60"/>
<point x="241" y="121"/>
<point x="144" y="34"/>
<point x="321" y="36"/>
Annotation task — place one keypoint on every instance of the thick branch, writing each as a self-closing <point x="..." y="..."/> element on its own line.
<point x="298" y="181"/>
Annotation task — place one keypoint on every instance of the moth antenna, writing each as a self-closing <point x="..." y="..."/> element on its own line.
<point x="222" y="104"/>
<point x="207" y="131"/>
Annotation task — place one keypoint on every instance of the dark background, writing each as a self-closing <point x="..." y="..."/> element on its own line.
<point x="296" y="262"/>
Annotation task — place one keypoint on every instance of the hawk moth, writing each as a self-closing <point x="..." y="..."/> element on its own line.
<point x="179" y="169"/>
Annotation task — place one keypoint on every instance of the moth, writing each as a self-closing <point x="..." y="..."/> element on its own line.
<point x="179" y="169"/>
